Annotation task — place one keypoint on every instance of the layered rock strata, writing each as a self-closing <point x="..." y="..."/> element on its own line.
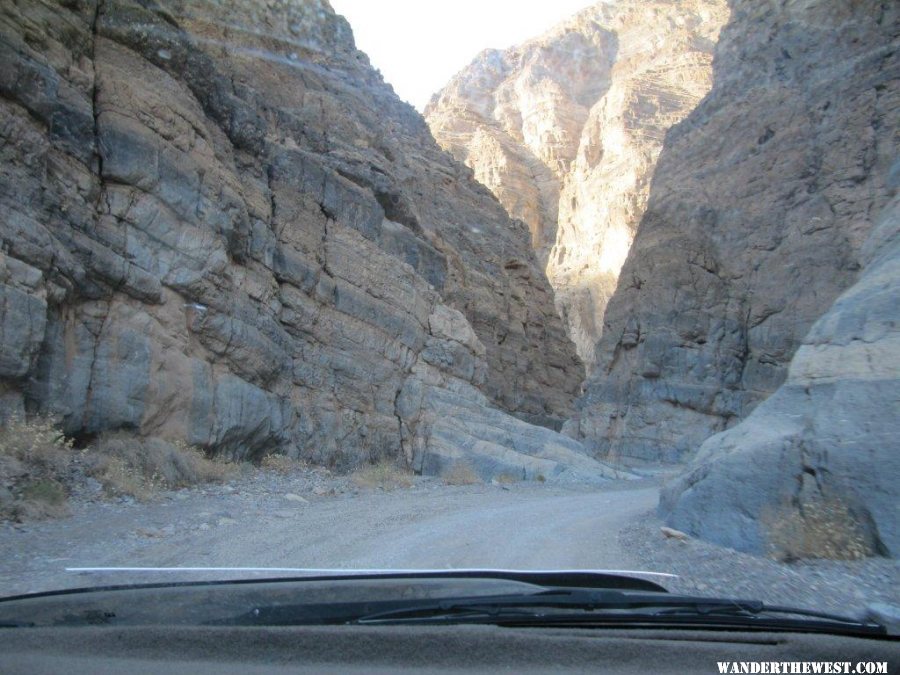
<point x="221" y="226"/>
<point x="566" y="129"/>
<point x="813" y="470"/>
<point x="761" y="201"/>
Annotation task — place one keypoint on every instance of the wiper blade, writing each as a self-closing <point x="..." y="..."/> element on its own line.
<point x="560" y="606"/>
<point x="714" y="621"/>
<point x="580" y="599"/>
<point x="616" y="608"/>
<point x="371" y="611"/>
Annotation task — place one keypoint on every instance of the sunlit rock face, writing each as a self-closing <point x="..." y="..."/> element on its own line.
<point x="760" y="203"/>
<point x="566" y="129"/>
<point x="219" y="225"/>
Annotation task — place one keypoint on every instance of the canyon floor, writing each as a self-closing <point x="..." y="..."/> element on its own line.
<point x="313" y="519"/>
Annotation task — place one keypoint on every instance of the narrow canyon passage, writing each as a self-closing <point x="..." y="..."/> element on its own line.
<point x="623" y="296"/>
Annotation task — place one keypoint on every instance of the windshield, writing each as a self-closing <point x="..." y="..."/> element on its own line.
<point x="295" y="287"/>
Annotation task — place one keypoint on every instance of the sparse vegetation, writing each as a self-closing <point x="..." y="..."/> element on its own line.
<point x="819" y="528"/>
<point x="282" y="464"/>
<point x="39" y="467"/>
<point x="385" y="474"/>
<point x="507" y="479"/>
<point x="46" y="491"/>
<point x="139" y="468"/>
<point x="461" y="473"/>
<point x="35" y="467"/>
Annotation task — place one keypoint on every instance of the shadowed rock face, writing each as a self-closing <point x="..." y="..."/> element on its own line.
<point x="813" y="469"/>
<point x="761" y="201"/>
<point x="566" y="129"/>
<point x="220" y="225"/>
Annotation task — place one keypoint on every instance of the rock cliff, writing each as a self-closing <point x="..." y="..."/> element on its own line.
<point x="761" y="202"/>
<point x="813" y="470"/>
<point x="566" y="129"/>
<point x="220" y="225"/>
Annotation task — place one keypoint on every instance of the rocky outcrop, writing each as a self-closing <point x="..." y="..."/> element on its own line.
<point x="566" y="129"/>
<point x="220" y="225"/>
<point x="813" y="470"/>
<point x="761" y="201"/>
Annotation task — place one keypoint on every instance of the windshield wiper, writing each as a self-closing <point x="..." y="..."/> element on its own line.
<point x="588" y="600"/>
<point x="563" y="607"/>
<point x="612" y="608"/>
<point x="16" y="624"/>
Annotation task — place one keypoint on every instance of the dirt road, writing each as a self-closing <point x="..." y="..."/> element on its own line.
<point x="316" y="520"/>
<point x="527" y="530"/>
<point x="266" y="524"/>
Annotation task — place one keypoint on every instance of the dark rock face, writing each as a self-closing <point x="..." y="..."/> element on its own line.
<point x="760" y="204"/>
<point x="220" y="225"/>
<point x="813" y="470"/>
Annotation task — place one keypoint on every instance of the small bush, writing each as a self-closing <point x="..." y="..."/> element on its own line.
<point x="819" y="528"/>
<point x="507" y="479"/>
<point x="386" y="474"/>
<point x="39" y="467"/>
<point x="37" y="443"/>
<point x="47" y="491"/>
<point x="461" y="473"/>
<point x="35" y="468"/>
<point x="117" y="478"/>
<point x="138" y="468"/>
<point x="282" y="464"/>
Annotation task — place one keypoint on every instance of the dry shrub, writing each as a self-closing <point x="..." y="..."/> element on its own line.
<point x="126" y="465"/>
<point x="507" y="479"/>
<point x="385" y="474"/>
<point x="282" y="464"/>
<point x="39" y="468"/>
<point x="819" y="528"/>
<point x="35" y="468"/>
<point x="461" y="473"/>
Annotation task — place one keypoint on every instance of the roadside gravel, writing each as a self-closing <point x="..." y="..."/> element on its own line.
<point x="842" y="587"/>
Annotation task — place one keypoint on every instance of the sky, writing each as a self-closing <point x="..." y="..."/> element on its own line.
<point x="418" y="45"/>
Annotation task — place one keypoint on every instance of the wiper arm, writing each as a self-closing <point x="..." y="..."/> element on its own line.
<point x="520" y="603"/>
<point x="578" y="599"/>
<point x="617" y="608"/>
<point x="561" y="607"/>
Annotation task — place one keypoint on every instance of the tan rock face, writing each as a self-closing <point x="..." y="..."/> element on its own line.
<point x="566" y="130"/>
<point x="760" y="204"/>
<point x="220" y="225"/>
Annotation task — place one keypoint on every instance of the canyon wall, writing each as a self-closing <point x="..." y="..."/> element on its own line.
<point x="813" y="470"/>
<point x="761" y="202"/>
<point x="566" y="129"/>
<point x="220" y="225"/>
